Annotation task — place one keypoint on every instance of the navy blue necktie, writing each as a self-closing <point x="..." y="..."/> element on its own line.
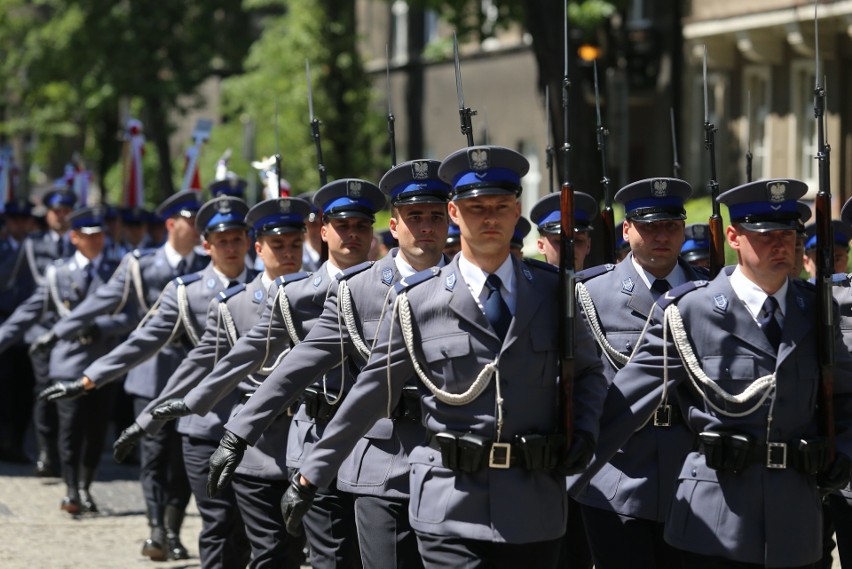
<point x="181" y="267"/>
<point x="661" y="286"/>
<point x="88" y="275"/>
<point x="232" y="283"/>
<point x="496" y="310"/>
<point x="768" y="323"/>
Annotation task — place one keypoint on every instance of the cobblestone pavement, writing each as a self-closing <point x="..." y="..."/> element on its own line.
<point x="36" y="534"/>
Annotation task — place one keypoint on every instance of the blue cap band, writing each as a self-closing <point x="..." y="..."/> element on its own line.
<point x="348" y="203"/>
<point x="280" y="219"/>
<point x="61" y="199"/>
<point x="670" y="201"/>
<point x="762" y="208"/>
<point x="435" y="187"/>
<point x="87" y="222"/>
<point x="839" y="239"/>
<point x="497" y="175"/>
<point x="223" y="218"/>
<point x="555" y="216"/>
<point x="175" y="209"/>
<point x="695" y="245"/>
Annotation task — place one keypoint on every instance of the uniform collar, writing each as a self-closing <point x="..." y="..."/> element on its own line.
<point x="753" y="296"/>
<point x="406" y="270"/>
<point x="475" y="279"/>
<point x="173" y="257"/>
<point x="241" y="278"/>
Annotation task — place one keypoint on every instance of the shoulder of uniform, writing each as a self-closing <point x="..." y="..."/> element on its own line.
<point x="292" y="277"/>
<point x="417" y="278"/>
<point x="535" y="263"/>
<point x="593" y="272"/>
<point x="233" y="291"/>
<point x="703" y="273"/>
<point x="678" y="291"/>
<point x="142" y="252"/>
<point x="359" y="268"/>
<point x="187" y="279"/>
<point x="842" y="280"/>
<point x="839" y="279"/>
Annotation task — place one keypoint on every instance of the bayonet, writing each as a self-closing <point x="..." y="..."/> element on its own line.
<point x="607" y="215"/>
<point x="549" y="147"/>
<point x="464" y="112"/>
<point x="391" y="119"/>
<point x="277" y="153"/>
<point x="315" y="131"/>
<point x="675" y="161"/>
<point x="749" y="155"/>
<point x="717" y="243"/>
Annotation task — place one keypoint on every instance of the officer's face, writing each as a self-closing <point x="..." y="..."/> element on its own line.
<point x="486" y="223"/>
<point x="182" y="232"/>
<point x="548" y="245"/>
<point x="18" y="227"/>
<point x="421" y="230"/>
<point x="134" y="233"/>
<point x="281" y="254"/>
<point x="765" y="258"/>
<point x="348" y="240"/>
<point x="227" y="250"/>
<point x="57" y="218"/>
<point x="655" y="245"/>
<point x="798" y="257"/>
<point x="90" y="246"/>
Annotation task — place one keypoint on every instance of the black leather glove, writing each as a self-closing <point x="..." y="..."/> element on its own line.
<point x="63" y="390"/>
<point x="126" y="441"/>
<point x="838" y="474"/>
<point x="43" y="344"/>
<point x="295" y="503"/>
<point x="578" y="456"/>
<point x="171" y="409"/>
<point x="224" y="461"/>
<point x="89" y="334"/>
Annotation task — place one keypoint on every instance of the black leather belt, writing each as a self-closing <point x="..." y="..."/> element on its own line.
<point x="408" y="408"/>
<point x="317" y="406"/>
<point x="667" y="416"/>
<point x="467" y="452"/>
<point x="735" y="452"/>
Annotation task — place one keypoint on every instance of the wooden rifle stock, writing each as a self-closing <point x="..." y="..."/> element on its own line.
<point x="566" y="310"/>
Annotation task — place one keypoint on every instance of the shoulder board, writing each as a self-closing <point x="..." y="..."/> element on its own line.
<point x="187" y="279"/>
<point x="345" y="274"/>
<point x="810" y="285"/>
<point x="679" y="291"/>
<point x="139" y="253"/>
<point x="234" y="290"/>
<point x="58" y="262"/>
<point x="541" y="265"/>
<point x="593" y="272"/>
<point x="292" y="277"/>
<point x="416" y="279"/>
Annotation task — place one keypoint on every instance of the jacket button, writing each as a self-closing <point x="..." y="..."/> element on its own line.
<point x="694" y="473"/>
<point x="431" y="458"/>
<point x="444" y="351"/>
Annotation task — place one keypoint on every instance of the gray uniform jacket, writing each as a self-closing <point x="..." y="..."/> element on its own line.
<point x="245" y="304"/>
<point x="765" y="516"/>
<point x="36" y="253"/>
<point x="165" y="325"/>
<point x="123" y="289"/>
<point x="454" y="341"/>
<point x="640" y="479"/>
<point x="378" y="465"/>
<point x="63" y="288"/>
<point x="310" y="295"/>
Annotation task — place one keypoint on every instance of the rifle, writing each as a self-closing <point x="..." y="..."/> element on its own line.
<point x="464" y="112"/>
<point x="717" y="243"/>
<point x="277" y="156"/>
<point x="607" y="215"/>
<point x="566" y="267"/>
<point x="391" y="119"/>
<point x="315" y="134"/>
<point x="825" y="263"/>
<point x="549" y="148"/>
<point x="749" y="155"/>
<point x="675" y="162"/>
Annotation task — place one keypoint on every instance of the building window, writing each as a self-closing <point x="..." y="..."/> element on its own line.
<point x="399" y="32"/>
<point x="804" y="146"/>
<point x="757" y="102"/>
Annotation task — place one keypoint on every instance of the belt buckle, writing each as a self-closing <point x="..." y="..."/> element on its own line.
<point x="500" y="455"/>
<point x="663" y="416"/>
<point x="776" y="455"/>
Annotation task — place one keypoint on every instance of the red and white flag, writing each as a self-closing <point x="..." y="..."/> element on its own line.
<point x="134" y="149"/>
<point x="191" y="176"/>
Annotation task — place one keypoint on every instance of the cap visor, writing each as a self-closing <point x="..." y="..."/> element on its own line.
<point x="90" y="230"/>
<point x="764" y="226"/>
<point x="350" y="213"/>
<point x="281" y="230"/>
<point x="483" y="192"/>
<point x="413" y="200"/>
<point x="658" y="216"/>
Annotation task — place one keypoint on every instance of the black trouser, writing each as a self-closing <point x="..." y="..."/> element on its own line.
<point x="575" y="552"/>
<point x="841" y="516"/>
<point x="161" y="471"/>
<point x="696" y="561"/>
<point x="16" y="405"/>
<point x="222" y="543"/>
<point x="330" y="529"/>
<point x="640" y="543"/>
<point x="82" y="427"/>
<point x="45" y="416"/>
<point x="440" y="552"/>
<point x="259" y="501"/>
<point x="385" y="535"/>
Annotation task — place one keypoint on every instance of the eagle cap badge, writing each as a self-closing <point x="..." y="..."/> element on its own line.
<point x="284" y="206"/>
<point x="419" y="170"/>
<point x="354" y="189"/>
<point x="478" y="159"/>
<point x="659" y="188"/>
<point x="224" y="206"/>
<point x="777" y="191"/>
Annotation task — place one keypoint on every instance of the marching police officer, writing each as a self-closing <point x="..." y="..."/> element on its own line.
<point x="279" y="227"/>
<point x="483" y="488"/>
<point x="739" y="357"/>
<point x="138" y="282"/>
<point x="842" y="233"/>
<point x="82" y="423"/>
<point x="545" y="214"/>
<point x="453" y="245"/>
<point x="522" y="229"/>
<point x="628" y="500"/>
<point x="696" y="245"/>
<point x="377" y="469"/>
<point x="181" y="315"/>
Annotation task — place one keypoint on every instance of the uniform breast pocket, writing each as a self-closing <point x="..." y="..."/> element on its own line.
<point x="807" y="379"/>
<point x="732" y="373"/>
<point x="449" y="360"/>
<point x="542" y="366"/>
